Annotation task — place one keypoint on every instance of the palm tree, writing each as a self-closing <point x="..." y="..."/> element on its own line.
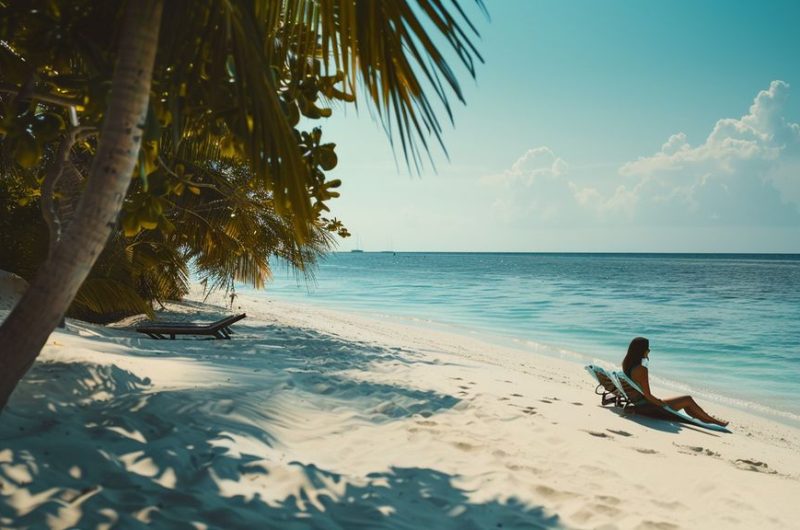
<point x="26" y="329"/>
<point x="215" y="67"/>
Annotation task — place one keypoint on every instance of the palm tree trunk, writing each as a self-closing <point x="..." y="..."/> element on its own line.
<point x="25" y="331"/>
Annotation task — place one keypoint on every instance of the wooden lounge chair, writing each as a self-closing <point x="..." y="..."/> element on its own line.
<point x="221" y="329"/>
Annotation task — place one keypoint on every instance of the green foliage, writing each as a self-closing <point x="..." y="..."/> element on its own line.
<point x="106" y="298"/>
<point x="241" y="72"/>
<point x="23" y="234"/>
<point x="225" y="176"/>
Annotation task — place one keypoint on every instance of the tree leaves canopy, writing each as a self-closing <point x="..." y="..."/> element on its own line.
<point x="222" y="69"/>
<point x="222" y="156"/>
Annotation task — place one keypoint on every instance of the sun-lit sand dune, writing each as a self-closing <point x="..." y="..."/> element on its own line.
<point x="311" y="418"/>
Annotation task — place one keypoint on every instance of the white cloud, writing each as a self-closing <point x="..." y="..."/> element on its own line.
<point x="536" y="164"/>
<point x="530" y="188"/>
<point x="620" y="204"/>
<point x="676" y="143"/>
<point x="760" y="134"/>
<point x="746" y="171"/>
<point x="586" y="196"/>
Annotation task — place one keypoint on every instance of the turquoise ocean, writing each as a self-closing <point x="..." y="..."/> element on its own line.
<point x="723" y="326"/>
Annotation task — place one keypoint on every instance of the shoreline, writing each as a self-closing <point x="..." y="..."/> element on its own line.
<point x="322" y="418"/>
<point x="518" y="356"/>
<point x="749" y="404"/>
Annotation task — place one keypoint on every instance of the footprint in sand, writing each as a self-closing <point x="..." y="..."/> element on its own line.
<point x="674" y="505"/>
<point x="517" y="395"/>
<point x="550" y="493"/>
<point x="504" y="399"/>
<point x="621" y="433"/>
<point x="578" y="403"/>
<point x="464" y="446"/>
<point x="545" y="401"/>
<point x="694" y="449"/>
<point x="753" y="465"/>
<point x="603" y="509"/>
<point x="608" y="499"/>
<point x="646" y="451"/>
<point x="462" y="387"/>
<point x="598" y="434"/>
<point x="529" y="410"/>
<point x="519" y="467"/>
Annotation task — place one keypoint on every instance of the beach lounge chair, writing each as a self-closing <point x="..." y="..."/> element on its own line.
<point x="637" y="403"/>
<point x="221" y="329"/>
<point x="606" y="387"/>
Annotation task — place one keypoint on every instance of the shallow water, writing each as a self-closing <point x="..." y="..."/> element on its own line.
<point x="727" y="325"/>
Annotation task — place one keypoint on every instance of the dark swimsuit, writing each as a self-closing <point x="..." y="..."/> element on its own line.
<point x="638" y="402"/>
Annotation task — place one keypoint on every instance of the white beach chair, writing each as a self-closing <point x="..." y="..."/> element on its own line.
<point x="607" y="388"/>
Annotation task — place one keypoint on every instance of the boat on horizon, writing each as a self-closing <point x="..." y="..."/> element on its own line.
<point x="358" y="245"/>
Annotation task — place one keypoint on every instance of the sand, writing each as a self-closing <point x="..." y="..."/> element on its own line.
<point x="313" y="418"/>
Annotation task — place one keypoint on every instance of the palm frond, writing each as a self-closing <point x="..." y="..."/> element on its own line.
<point x="230" y="40"/>
<point x="388" y="49"/>
<point x="106" y="296"/>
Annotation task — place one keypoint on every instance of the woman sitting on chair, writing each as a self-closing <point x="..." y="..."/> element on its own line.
<point x="635" y="367"/>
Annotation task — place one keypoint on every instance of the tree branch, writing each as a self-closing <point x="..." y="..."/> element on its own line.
<point x="51" y="180"/>
<point x="44" y="97"/>
<point x="185" y="180"/>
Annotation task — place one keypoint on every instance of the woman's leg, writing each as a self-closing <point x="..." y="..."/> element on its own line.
<point x="691" y="407"/>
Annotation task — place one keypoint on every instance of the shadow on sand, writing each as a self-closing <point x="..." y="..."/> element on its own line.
<point x="663" y="423"/>
<point x="86" y="445"/>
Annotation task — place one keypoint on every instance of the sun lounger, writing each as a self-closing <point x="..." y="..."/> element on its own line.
<point x="606" y="387"/>
<point x="636" y="402"/>
<point x="221" y="329"/>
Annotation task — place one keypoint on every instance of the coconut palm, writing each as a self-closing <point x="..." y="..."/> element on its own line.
<point x="212" y="67"/>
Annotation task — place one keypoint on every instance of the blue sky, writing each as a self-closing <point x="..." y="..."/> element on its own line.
<point x="599" y="126"/>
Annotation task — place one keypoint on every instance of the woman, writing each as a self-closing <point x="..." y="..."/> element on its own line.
<point x="635" y="367"/>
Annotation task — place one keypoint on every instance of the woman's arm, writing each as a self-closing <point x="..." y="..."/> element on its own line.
<point x="639" y="375"/>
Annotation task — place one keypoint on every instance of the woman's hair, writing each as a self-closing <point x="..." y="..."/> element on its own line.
<point x="636" y="351"/>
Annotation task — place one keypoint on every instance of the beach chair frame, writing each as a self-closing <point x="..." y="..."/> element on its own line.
<point x="607" y="388"/>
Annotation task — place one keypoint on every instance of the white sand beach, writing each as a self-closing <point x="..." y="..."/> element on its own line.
<point x="312" y="418"/>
